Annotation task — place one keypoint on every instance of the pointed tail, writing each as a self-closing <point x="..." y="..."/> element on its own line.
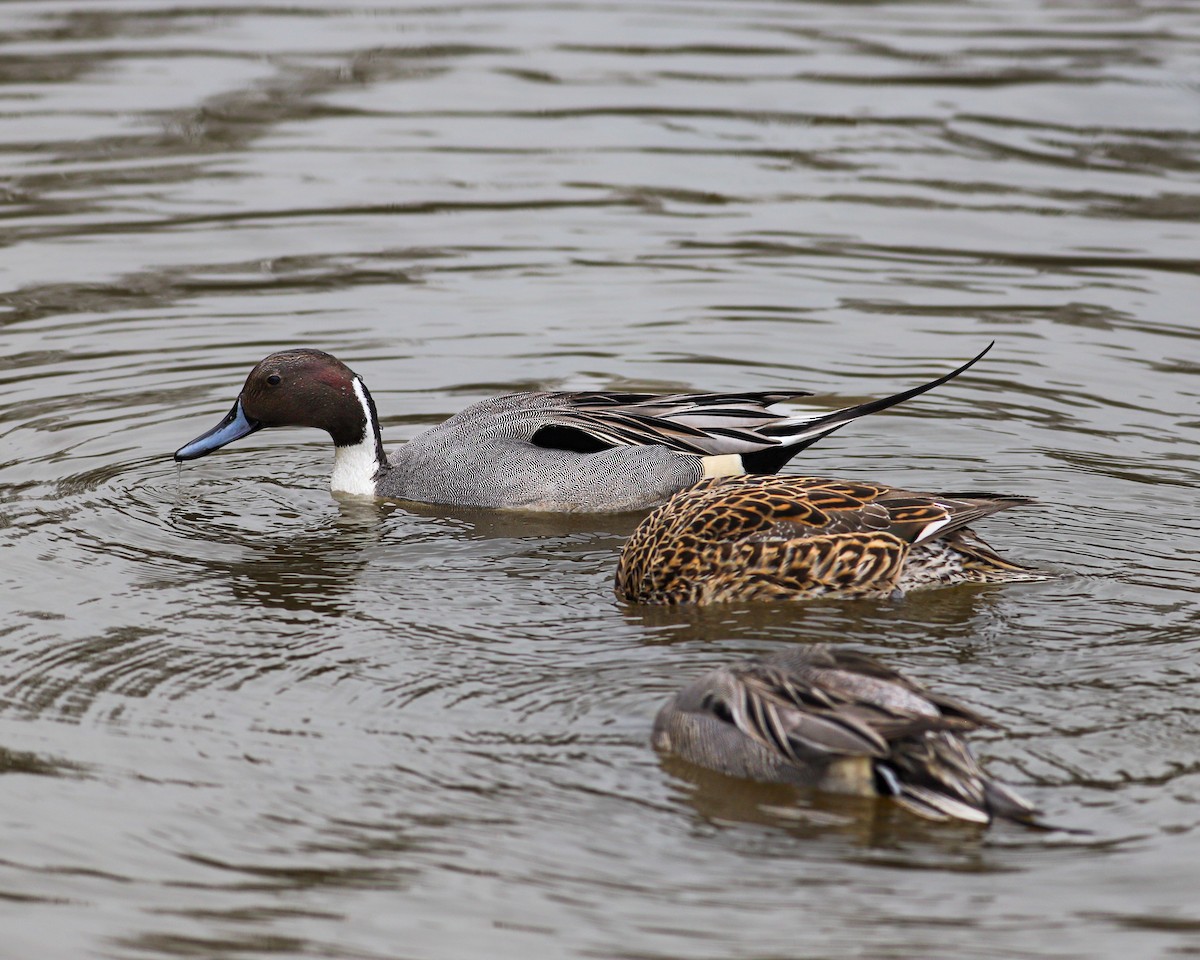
<point x="788" y="437"/>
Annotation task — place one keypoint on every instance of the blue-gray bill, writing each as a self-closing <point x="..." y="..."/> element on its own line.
<point x="235" y="426"/>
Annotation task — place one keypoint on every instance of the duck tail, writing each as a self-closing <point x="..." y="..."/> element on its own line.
<point x="1006" y="804"/>
<point x="786" y="438"/>
<point x="935" y="776"/>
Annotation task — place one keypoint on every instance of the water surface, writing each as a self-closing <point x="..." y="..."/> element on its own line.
<point x="241" y="718"/>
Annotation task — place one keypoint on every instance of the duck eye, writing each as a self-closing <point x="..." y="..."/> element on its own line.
<point x="274" y="379"/>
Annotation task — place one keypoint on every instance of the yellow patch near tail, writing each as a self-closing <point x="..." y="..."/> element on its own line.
<point x="723" y="465"/>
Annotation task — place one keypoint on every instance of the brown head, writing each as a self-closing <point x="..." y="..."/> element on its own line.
<point x="294" y="388"/>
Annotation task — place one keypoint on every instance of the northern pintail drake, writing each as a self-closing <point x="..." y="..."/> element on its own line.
<point x="838" y="721"/>
<point x="791" y="538"/>
<point x="584" y="452"/>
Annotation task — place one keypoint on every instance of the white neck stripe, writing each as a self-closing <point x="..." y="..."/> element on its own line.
<point x="355" y="467"/>
<point x="371" y="428"/>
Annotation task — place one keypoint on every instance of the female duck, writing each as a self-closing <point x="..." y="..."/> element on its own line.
<point x="790" y="538"/>
<point x="587" y="452"/>
<point x="837" y="721"/>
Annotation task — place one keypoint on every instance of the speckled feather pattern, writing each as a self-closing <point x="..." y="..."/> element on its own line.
<point x="790" y="538"/>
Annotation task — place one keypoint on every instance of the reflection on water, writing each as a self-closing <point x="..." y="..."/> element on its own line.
<point x="239" y="716"/>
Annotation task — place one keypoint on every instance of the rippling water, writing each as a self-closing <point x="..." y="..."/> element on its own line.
<point x="240" y="718"/>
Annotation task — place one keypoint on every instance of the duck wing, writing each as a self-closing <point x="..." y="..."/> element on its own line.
<point x="813" y="704"/>
<point x="706" y="424"/>
<point x="789" y="508"/>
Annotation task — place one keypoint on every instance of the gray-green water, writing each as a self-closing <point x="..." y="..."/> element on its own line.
<point x="240" y="719"/>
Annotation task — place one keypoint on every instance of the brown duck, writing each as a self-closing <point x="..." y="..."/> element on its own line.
<point x="837" y="721"/>
<point x="791" y="538"/>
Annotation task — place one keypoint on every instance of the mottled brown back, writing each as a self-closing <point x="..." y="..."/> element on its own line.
<point x="771" y="537"/>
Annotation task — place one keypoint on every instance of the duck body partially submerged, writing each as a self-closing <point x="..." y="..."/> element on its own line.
<point x="550" y="451"/>
<point x="842" y="722"/>
<point x="794" y="538"/>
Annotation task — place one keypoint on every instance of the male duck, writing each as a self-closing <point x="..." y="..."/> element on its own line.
<point x="586" y="452"/>
<point x="837" y="721"/>
<point x="790" y="538"/>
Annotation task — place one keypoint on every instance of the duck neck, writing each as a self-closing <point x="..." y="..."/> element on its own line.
<point x="358" y="455"/>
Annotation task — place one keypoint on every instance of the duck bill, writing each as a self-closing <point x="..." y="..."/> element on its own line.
<point x="235" y="426"/>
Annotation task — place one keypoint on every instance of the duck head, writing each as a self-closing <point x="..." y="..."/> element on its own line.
<point x="294" y="388"/>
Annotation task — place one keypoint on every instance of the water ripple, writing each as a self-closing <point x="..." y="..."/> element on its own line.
<point x="240" y="716"/>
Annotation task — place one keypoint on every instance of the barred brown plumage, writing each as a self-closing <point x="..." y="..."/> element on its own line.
<point x="788" y="538"/>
